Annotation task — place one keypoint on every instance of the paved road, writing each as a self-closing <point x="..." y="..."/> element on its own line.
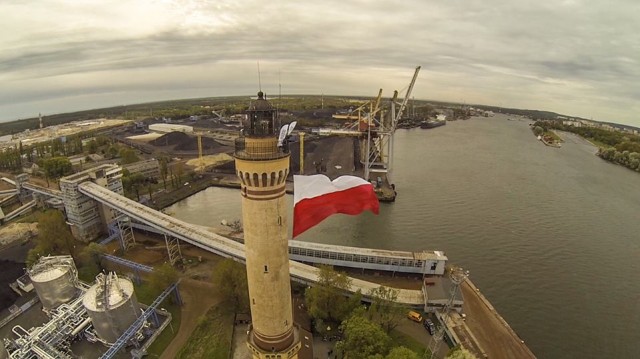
<point x="419" y="333"/>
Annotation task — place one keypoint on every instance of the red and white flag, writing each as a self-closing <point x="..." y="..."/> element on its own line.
<point x="317" y="197"/>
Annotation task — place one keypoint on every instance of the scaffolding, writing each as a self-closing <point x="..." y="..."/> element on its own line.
<point x="173" y="249"/>
<point x="457" y="276"/>
<point x="138" y="324"/>
<point x="127" y="240"/>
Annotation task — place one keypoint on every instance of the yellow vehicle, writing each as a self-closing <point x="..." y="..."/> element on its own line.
<point x="416" y="317"/>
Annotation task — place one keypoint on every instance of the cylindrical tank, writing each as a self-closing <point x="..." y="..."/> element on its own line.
<point x="112" y="306"/>
<point x="54" y="285"/>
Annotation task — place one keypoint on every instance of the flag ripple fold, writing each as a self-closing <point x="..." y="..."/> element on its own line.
<point x="317" y="197"/>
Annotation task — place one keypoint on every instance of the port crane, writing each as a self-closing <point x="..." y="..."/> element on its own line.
<point x="379" y="133"/>
<point x="375" y="129"/>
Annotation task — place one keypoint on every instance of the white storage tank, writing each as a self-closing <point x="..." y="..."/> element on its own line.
<point x="112" y="306"/>
<point x="54" y="280"/>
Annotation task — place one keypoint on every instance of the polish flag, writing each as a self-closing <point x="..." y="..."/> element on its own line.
<point x="317" y="197"/>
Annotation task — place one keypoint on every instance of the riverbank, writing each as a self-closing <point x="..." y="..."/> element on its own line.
<point x="546" y="139"/>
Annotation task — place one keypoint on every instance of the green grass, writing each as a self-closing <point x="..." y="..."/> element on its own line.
<point x="212" y="338"/>
<point x="164" y="339"/>
<point x="29" y="218"/>
<point x="88" y="272"/>
<point x="400" y="339"/>
<point x="597" y="143"/>
<point x="553" y="135"/>
<point x="147" y="295"/>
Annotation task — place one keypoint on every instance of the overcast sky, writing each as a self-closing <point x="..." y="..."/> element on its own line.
<point x="574" y="57"/>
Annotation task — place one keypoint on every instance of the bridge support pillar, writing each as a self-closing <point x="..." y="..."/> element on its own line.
<point x="127" y="239"/>
<point x="173" y="249"/>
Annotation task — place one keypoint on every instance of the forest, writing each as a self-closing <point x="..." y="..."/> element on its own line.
<point x="617" y="147"/>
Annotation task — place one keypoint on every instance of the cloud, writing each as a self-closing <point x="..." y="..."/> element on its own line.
<point x="573" y="57"/>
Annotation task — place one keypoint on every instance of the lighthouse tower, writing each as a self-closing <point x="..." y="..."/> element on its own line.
<point x="262" y="167"/>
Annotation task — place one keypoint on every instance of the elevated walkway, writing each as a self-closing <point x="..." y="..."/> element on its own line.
<point x="8" y="198"/>
<point x="426" y="262"/>
<point x="220" y="245"/>
<point x="20" y="210"/>
<point x="43" y="190"/>
<point x="9" y="181"/>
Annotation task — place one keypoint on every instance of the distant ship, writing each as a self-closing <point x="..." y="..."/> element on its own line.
<point x="440" y="120"/>
<point x="432" y="124"/>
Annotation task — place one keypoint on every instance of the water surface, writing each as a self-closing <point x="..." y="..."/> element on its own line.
<point x="550" y="236"/>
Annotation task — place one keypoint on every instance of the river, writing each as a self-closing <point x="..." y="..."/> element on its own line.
<point x="550" y="236"/>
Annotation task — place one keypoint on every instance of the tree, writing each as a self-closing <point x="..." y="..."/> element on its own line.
<point x="90" y="260"/>
<point x="607" y="153"/>
<point x="230" y="277"/>
<point x="402" y="353"/>
<point x="92" y="253"/>
<point x="460" y="353"/>
<point x="163" y="171"/>
<point x="327" y="299"/>
<point x="363" y="339"/>
<point x="162" y="277"/>
<point x="56" y="167"/>
<point x="112" y="151"/>
<point x="35" y="253"/>
<point x="54" y="237"/>
<point x="383" y="310"/>
<point x="92" y="146"/>
<point x="538" y="131"/>
<point x="131" y="183"/>
<point x="128" y="155"/>
<point x="179" y="167"/>
<point x="617" y="157"/>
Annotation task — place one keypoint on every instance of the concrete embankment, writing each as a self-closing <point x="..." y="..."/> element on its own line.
<point x="165" y="199"/>
<point x="492" y="333"/>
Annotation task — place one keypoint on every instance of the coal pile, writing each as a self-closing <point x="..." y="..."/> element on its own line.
<point x="10" y="272"/>
<point x="322" y="155"/>
<point x="171" y="139"/>
<point x="208" y="144"/>
<point x="180" y="141"/>
<point x="228" y="167"/>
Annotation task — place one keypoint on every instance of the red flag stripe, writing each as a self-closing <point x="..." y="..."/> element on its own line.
<point x="310" y="211"/>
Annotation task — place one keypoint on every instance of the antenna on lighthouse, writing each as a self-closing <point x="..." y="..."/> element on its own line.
<point x="259" y="79"/>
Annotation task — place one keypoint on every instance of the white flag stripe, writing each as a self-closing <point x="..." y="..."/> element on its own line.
<point x="317" y="185"/>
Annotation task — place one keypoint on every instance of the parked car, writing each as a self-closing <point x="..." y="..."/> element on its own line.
<point x="416" y="317"/>
<point x="428" y="325"/>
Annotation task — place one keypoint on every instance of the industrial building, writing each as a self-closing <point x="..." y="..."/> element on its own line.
<point x="81" y="320"/>
<point x="148" y="168"/>
<point x="86" y="217"/>
<point x="33" y="136"/>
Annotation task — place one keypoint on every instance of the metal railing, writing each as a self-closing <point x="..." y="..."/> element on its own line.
<point x="259" y="150"/>
<point x="128" y="334"/>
